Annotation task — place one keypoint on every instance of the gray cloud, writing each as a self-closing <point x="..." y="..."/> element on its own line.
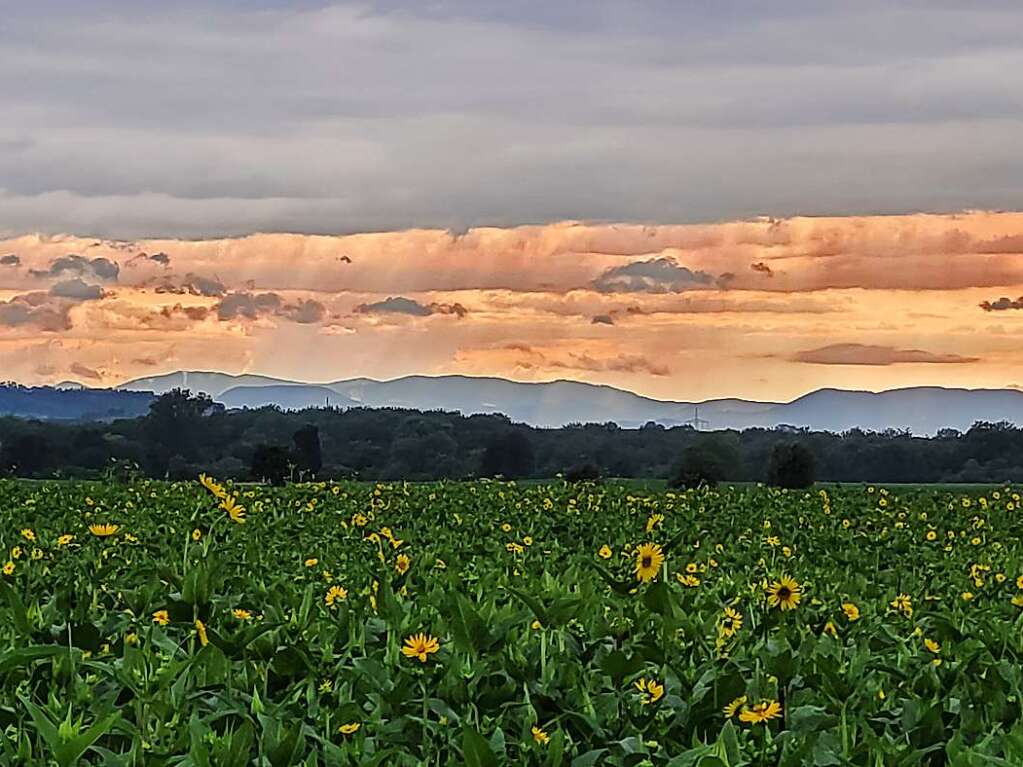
<point x="402" y="305"/>
<point x="252" y="306"/>
<point x="97" y="268"/>
<point x="655" y="111"/>
<point x="83" y="371"/>
<point x="602" y="319"/>
<point x="656" y="275"/>
<point x="865" y="354"/>
<point x="1002" y="304"/>
<point x="191" y="284"/>
<point x="76" y="290"/>
<point x="37" y="310"/>
<point x="10" y="260"/>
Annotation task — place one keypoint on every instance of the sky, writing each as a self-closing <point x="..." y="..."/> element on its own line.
<point x="685" y="199"/>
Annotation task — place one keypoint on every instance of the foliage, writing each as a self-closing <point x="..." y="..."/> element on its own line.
<point x="792" y="466"/>
<point x="150" y="623"/>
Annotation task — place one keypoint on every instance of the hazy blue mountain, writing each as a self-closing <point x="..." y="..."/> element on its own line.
<point x="286" y="396"/>
<point x="922" y="410"/>
<point x="71" y="404"/>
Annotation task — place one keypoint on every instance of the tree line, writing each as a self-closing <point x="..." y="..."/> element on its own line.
<point x="183" y="434"/>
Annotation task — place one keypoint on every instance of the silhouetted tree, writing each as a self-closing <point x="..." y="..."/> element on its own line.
<point x="792" y="465"/>
<point x="270" y="463"/>
<point x="582" y="472"/>
<point x="308" y="455"/>
<point x="508" y="455"/>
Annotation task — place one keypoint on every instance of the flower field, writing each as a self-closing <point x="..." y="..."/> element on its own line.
<point x="488" y="624"/>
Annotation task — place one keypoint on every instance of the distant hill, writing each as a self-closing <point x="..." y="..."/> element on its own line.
<point x="922" y="410"/>
<point x="72" y="404"/>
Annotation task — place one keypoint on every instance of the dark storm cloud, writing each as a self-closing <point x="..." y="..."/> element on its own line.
<point x="149" y="120"/>
<point x="10" y="260"/>
<point x="191" y="284"/>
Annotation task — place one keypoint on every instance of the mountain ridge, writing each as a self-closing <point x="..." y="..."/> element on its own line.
<point x="557" y="403"/>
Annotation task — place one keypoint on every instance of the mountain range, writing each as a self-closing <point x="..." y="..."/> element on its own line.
<point x="922" y="410"/>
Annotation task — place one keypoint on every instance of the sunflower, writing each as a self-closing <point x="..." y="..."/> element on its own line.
<point x="28" y="534"/>
<point x="349" y="729"/>
<point x="649" y="559"/>
<point x="653" y="521"/>
<point x="852" y="612"/>
<point x="420" y="646"/>
<point x="903" y="604"/>
<point x="540" y="735"/>
<point x="932" y="646"/>
<point x="242" y="615"/>
<point x="785" y="593"/>
<point x="311" y="562"/>
<point x="197" y="534"/>
<point x="731" y="622"/>
<point x="761" y="712"/>
<point x="215" y="488"/>
<point x="200" y="629"/>
<point x="8" y="568"/>
<point x="335" y="594"/>
<point x="733" y="708"/>
<point x="103" y="531"/>
<point x="65" y="539"/>
<point x="650" y="689"/>
<point x="234" y="509"/>
<point x="606" y="553"/>
<point x="402" y="564"/>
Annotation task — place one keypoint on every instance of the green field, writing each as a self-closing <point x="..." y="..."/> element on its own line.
<point x="183" y="624"/>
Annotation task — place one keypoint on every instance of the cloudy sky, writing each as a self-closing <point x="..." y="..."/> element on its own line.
<point x="686" y="199"/>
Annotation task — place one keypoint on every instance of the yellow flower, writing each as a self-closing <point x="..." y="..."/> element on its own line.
<point x="733" y="708"/>
<point x="8" y="568"/>
<point x="360" y="519"/>
<point x="785" y="593"/>
<point x="241" y="614"/>
<point x="65" y="539"/>
<point x="650" y="689"/>
<point x="1018" y="600"/>
<point x="28" y="534"/>
<point x="16" y="552"/>
<point x="326" y="685"/>
<point x="932" y="646"/>
<point x="506" y="528"/>
<point x="196" y="534"/>
<point x="420" y="646"/>
<point x="213" y="486"/>
<point x="37" y="554"/>
<point x="649" y="559"/>
<point x="967" y="596"/>
<point x="606" y="553"/>
<point x="402" y="564"/>
<point x="335" y="594"/>
<point x="761" y="712"/>
<point x="103" y="531"/>
<point x="234" y="509"/>
<point x="730" y="622"/>
<point x="852" y="612"/>
<point x="131" y="639"/>
<point x="161" y="617"/>
<point x="440" y="564"/>
<point x="903" y="604"/>
<point x="830" y="630"/>
<point x="536" y="625"/>
<point x="200" y="629"/>
<point x="653" y="521"/>
<point x="540" y="735"/>
<point x="931" y="535"/>
<point x="528" y="540"/>
<point x="349" y="729"/>
<point x="312" y="562"/>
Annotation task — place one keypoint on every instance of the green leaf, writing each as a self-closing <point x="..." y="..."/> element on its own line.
<point x="476" y="751"/>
